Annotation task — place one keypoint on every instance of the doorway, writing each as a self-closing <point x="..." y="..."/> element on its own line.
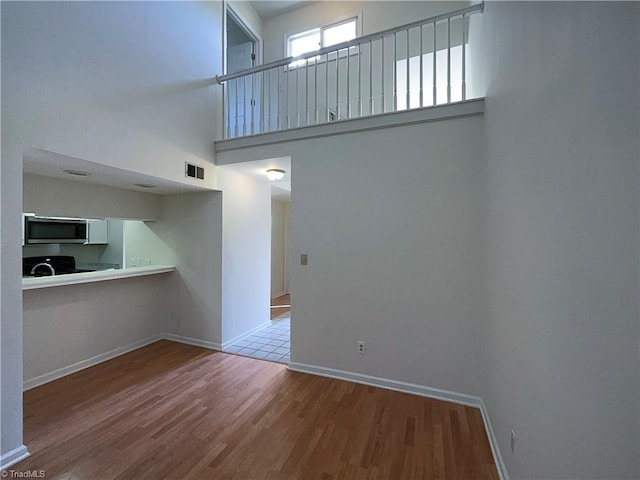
<point x="242" y="52"/>
<point x="257" y="209"/>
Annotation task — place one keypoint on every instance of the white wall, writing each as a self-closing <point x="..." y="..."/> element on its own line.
<point x="392" y="221"/>
<point x="277" y="248"/>
<point x="141" y="242"/>
<point x="246" y="253"/>
<point x="191" y="237"/>
<point x="57" y="197"/>
<point x="122" y="84"/>
<point x="562" y="122"/>
<point x="376" y="16"/>
<point x="70" y="324"/>
<point x="126" y="84"/>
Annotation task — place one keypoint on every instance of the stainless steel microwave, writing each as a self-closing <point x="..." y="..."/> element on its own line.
<point x="38" y="230"/>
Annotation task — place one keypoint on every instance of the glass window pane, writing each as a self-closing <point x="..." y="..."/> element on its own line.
<point x="308" y="42"/>
<point x="339" y="33"/>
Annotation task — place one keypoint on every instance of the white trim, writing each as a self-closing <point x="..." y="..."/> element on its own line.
<point x="421" y="390"/>
<point x="493" y="442"/>
<point x="244" y="335"/>
<point x="279" y="294"/>
<point x="191" y="341"/>
<point x="244" y="23"/>
<point x="322" y="26"/>
<point x="14" y="456"/>
<point x="89" y="362"/>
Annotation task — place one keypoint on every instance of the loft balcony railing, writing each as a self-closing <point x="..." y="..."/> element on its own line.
<point x="420" y="64"/>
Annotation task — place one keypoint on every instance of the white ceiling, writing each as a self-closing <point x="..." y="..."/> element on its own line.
<point x="280" y="189"/>
<point x="268" y="8"/>
<point x="49" y="164"/>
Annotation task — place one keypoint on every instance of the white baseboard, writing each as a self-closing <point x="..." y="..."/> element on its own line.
<point x="13" y="457"/>
<point x="423" y="391"/>
<point x="493" y="442"/>
<point x="191" y="341"/>
<point x="244" y="335"/>
<point x="89" y="362"/>
<point x="460" y="398"/>
<point x="103" y="357"/>
<point x="279" y="294"/>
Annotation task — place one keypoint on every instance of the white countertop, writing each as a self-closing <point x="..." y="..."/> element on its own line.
<point x="32" y="283"/>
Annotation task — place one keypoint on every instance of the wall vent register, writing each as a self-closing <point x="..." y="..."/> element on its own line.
<point x="193" y="171"/>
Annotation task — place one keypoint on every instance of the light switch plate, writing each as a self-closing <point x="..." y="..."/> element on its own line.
<point x="304" y="259"/>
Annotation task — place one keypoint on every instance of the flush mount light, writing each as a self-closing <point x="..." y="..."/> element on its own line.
<point x="144" y="185"/>
<point x="77" y="173"/>
<point x="275" y="174"/>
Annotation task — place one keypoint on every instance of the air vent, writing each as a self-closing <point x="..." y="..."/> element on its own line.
<point x="193" y="171"/>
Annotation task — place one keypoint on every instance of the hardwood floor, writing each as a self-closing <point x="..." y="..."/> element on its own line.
<point x="280" y="305"/>
<point x="173" y="411"/>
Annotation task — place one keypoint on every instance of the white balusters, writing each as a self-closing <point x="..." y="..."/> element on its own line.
<point x="258" y="101"/>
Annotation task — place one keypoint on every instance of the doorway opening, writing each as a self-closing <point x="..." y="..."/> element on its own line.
<point x="259" y="213"/>
<point x="242" y="51"/>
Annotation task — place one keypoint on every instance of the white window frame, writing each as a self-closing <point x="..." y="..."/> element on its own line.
<point x="357" y="16"/>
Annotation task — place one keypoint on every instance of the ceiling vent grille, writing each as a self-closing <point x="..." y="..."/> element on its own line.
<point x="193" y="171"/>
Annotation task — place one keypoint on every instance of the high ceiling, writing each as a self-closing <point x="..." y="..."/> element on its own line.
<point x="269" y="8"/>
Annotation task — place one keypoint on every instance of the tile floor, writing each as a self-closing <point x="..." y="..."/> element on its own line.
<point x="270" y="343"/>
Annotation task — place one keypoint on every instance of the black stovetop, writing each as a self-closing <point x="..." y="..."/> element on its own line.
<point x="39" y="266"/>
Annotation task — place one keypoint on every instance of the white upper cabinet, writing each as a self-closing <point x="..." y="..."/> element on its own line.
<point x="97" y="232"/>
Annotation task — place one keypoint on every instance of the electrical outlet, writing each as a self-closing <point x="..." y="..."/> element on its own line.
<point x="361" y="347"/>
<point x="513" y="442"/>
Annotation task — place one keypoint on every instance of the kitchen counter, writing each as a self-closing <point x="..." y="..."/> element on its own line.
<point x="32" y="283"/>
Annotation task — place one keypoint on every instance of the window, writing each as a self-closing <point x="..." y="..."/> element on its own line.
<point x="317" y="38"/>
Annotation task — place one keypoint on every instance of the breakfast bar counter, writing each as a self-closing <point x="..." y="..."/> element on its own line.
<point x="32" y="283"/>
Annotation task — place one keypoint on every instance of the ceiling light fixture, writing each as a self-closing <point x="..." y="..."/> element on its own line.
<point x="274" y="174"/>
<point x="77" y="173"/>
<point x="144" y="185"/>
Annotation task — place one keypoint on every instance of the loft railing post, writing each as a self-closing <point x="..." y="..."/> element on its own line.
<point x="371" y="110"/>
<point x="297" y="104"/>
<point x="236" y="121"/>
<point x="348" y="106"/>
<point x="306" y="92"/>
<point x="395" y="72"/>
<point x="288" y="114"/>
<point x="252" y="102"/>
<point x="279" y="110"/>
<point x="315" y="91"/>
<point x="464" y="58"/>
<point x="227" y="97"/>
<point x="435" y="97"/>
<point x="408" y="85"/>
<point x="337" y="84"/>
<point x="326" y="87"/>
<point x="421" y="73"/>
<point x="244" y="106"/>
<point x="360" y="80"/>
<point x="448" y="60"/>
<point x="384" y="102"/>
